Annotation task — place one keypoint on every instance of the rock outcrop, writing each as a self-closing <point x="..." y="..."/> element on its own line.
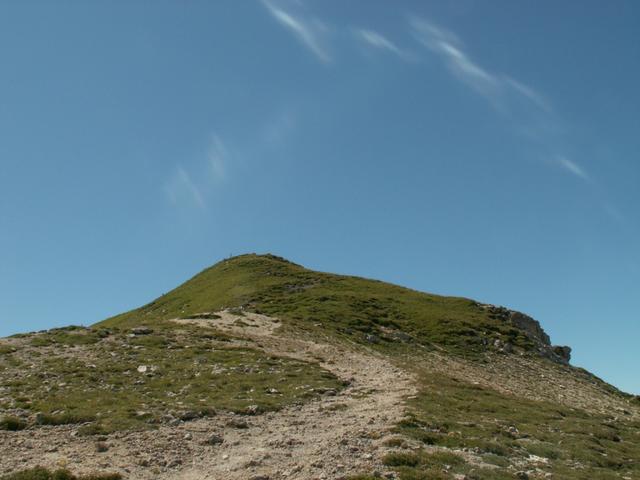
<point x="532" y="329"/>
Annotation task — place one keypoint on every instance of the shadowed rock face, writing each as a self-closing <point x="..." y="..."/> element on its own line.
<point x="563" y="352"/>
<point x="532" y="329"/>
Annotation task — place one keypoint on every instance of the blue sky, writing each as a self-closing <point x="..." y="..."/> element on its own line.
<point x="481" y="149"/>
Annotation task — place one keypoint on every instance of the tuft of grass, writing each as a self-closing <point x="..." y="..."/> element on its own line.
<point x="199" y="316"/>
<point x="92" y="429"/>
<point x="402" y="459"/>
<point x="71" y="336"/>
<point x="421" y="465"/>
<point x="12" y="424"/>
<point x="7" y="349"/>
<point x="395" y="442"/>
<point x="40" y="473"/>
<point x="63" y="418"/>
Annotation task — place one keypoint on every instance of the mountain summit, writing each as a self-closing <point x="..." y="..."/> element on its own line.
<point x="365" y="311"/>
<point x="258" y="368"/>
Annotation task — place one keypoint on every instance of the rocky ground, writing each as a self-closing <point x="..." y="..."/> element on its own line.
<point x="342" y="433"/>
<point x="351" y="431"/>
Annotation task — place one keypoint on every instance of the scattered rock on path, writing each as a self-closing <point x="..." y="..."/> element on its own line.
<point x="142" y="331"/>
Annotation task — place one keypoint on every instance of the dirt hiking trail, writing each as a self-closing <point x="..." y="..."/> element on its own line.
<point x="340" y="434"/>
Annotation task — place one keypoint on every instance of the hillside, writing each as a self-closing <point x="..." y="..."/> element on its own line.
<point x="361" y="310"/>
<point x="259" y="368"/>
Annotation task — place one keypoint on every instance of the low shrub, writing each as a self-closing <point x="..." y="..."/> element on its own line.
<point x="63" y="419"/>
<point x="40" y="473"/>
<point x="12" y="424"/>
<point x="401" y="460"/>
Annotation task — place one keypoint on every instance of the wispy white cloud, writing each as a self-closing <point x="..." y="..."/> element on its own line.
<point x="499" y="89"/>
<point x="529" y="112"/>
<point x="529" y="93"/>
<point x="279" y="127"/>
<point x="181" y="189"/>
<point x="310" y="32"/>
<point x="573" y="168"/>
<point x="190" y="187"/>
<point x="218" y="157"/>
<point x="614" y="213"/>
<point x="379" y="41"/>
<point x="450" y="49"/>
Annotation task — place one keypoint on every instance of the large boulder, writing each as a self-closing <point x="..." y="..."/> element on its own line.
<point x="563" y="352"/>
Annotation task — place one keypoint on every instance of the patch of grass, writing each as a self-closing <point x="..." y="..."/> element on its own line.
<point x="66" y="418"/>
<point x="395" y="442"/>
<point x="39" y="473"/>
<point x="497" y="460"/>
<point x="91" y="430"/>
<point x="12" y="424"/>
<point x="206" y="316"/>
<point x="143" y="381"/>
<point x="334" y="407"/>
<point x="413" y="459"/>
<point x="402" y="459"/>
<point x="67" y="336"/>
<point x="6" y="349"/>
<point x="427" y="466"/>
<point x="478" y="419"/>
<point x="544" y="450"/>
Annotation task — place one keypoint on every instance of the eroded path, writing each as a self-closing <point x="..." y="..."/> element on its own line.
<point x="341" y="433"/>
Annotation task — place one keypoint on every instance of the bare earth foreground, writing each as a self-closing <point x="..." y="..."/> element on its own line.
<point x="340" y="434"/>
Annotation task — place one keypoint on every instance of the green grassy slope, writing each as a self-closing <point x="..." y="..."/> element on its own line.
<point x="111" y="380"/>
<point x="510" y="433"/>
<point x="514" y="433"/>
<point x="356" y="308"/>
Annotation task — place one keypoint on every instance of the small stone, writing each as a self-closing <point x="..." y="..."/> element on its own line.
<point x="240" y="424"/>
<point x="102" y="447"/>
<point x="252" y="410"/>
<point x="189" y="415"/>
<point x="141" y="331"/>
<point x="215" y="439"/>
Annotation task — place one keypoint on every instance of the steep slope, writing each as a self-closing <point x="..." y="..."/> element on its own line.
<point x="259" y="368"/>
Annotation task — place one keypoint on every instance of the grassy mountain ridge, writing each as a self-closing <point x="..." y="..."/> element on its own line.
<point x="348" y="306"/>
